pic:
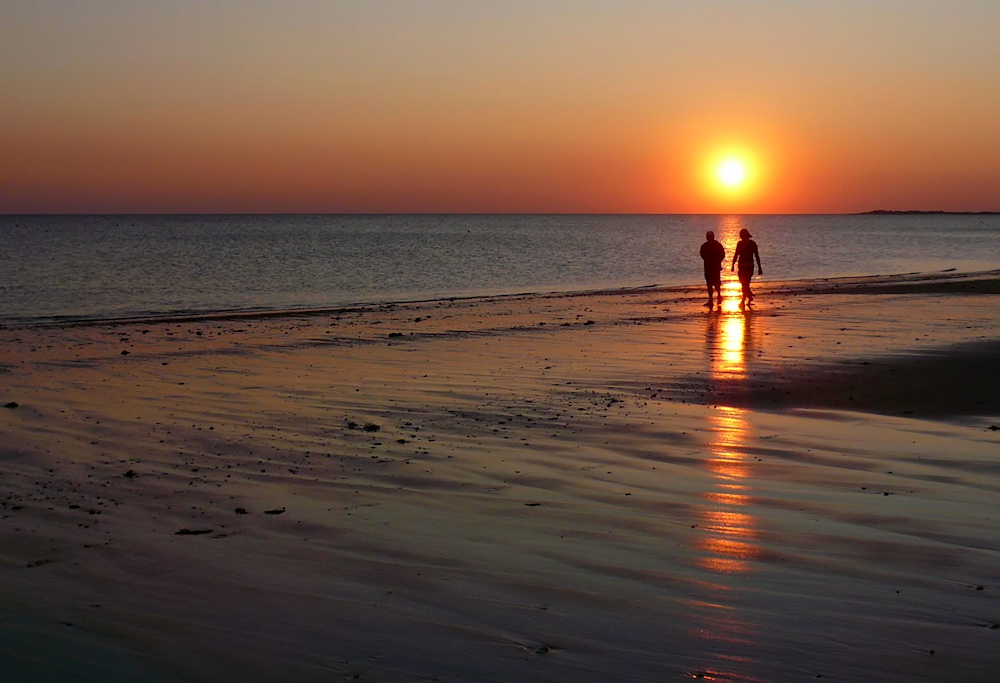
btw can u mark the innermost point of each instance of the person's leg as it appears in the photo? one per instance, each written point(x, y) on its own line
point(745, 286)
point(713, 281)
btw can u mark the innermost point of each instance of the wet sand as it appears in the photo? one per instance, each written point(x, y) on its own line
point(588, 487)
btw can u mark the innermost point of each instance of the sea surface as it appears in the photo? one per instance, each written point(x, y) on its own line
point(71, 268)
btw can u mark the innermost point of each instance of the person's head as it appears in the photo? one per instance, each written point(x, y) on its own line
point(710, 236)
point(745, 234)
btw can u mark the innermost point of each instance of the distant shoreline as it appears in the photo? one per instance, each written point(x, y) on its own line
point(879, 212)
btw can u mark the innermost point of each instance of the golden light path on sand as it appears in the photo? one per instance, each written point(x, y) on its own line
point(727, 545)
point(730, 529)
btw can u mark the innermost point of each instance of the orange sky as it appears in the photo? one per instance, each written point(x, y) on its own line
point(497, 106)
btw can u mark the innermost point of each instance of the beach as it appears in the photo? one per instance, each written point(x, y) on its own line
point(584, 486)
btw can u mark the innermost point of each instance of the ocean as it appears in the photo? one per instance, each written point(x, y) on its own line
point(77, 268)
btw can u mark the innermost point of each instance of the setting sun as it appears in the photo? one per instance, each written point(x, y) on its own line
point(732, 173)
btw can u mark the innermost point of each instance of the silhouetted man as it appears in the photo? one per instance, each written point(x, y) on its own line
point(713, 254)
point(746, 252)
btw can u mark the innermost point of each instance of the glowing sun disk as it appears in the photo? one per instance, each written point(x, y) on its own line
point(732, 172)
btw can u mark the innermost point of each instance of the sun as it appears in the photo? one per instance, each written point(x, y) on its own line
point(731, 176)
point(732, 173)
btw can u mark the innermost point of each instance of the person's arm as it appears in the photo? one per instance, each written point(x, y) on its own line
point(756, 252)
point(736, 252)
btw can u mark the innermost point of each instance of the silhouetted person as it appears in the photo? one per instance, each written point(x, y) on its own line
point(746, 252)
point(713, 254)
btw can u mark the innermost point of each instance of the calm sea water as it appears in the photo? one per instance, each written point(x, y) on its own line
point(92, 267)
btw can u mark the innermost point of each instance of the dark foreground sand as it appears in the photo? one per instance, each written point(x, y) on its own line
point(598, 487)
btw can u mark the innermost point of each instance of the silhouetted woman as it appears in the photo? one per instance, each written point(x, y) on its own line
point(746, 252)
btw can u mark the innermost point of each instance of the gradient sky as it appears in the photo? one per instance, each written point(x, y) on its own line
point(497, 105)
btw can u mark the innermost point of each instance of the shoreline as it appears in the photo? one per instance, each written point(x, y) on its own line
point(942, 282)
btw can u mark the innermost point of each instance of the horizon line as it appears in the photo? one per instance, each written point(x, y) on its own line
point(873, 212)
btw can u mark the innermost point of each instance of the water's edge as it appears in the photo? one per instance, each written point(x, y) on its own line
point(854, 283)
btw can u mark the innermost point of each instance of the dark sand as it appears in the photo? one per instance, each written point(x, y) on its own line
point(593, 487)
